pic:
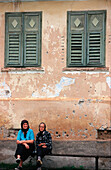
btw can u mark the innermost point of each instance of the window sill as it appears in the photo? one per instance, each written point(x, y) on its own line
point(27, 69)
point(81, 69)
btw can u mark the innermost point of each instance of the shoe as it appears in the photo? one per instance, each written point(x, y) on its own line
point(18, 168)
point(39, 168)
point(39, 163)
point(18, 160)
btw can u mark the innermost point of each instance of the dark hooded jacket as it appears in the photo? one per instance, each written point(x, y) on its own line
point(44, 137)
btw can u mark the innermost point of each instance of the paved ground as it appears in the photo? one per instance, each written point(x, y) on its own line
point(29, 167)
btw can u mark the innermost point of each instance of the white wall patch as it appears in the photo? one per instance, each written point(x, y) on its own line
point(53, 90)
point(4, 90)
point(108, 80)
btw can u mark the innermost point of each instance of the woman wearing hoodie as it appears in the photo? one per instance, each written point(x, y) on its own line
point(43, 143)
point(25, 143)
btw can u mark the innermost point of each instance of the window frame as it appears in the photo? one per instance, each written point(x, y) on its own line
point(85, 46)
point(22, 46)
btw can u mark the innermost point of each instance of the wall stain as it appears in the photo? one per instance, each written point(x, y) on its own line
point(50, 91)
point(108, 80)
point(4, 90)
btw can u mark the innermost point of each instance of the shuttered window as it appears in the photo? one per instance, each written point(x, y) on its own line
point(86, 39)
point(23, 40)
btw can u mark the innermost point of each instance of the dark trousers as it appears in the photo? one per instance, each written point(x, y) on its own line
point(42, 152)
point(23, 152)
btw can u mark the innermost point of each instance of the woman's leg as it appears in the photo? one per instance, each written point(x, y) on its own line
point(39, 156)
point(21, 162)
point(41, 152)
point(23, 153)
point(19, 151)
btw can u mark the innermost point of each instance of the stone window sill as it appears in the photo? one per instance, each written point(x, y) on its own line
point(27, 69)
point(98, 69)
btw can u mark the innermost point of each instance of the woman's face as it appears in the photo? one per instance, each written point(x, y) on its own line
point(41, 127)
point(25, 126)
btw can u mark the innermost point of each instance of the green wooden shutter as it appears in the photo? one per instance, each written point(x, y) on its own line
point(13, 40)
point(76, 39)
point(96, 39)
point(32, 39)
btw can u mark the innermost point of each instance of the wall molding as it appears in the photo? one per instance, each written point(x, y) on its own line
point(4, 1)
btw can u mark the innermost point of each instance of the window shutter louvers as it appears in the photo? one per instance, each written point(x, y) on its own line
point(95, 40)
point(23, 39)
point(13, 41)
point(32, 40)
point(86, 39)
point(76, 48)
point(76, 40)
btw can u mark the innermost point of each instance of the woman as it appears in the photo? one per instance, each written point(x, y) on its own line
point(43, 143)
point(25, 143)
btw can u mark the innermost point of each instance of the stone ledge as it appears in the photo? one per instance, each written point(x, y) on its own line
point(86, 69)
point(97, 147)
point(10, 69)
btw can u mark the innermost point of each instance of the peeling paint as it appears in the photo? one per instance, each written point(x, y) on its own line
point(103, 127)
point(91, 124)
point(86, 72)
point(108, 80)
point(4, 90)
point(49, 91)
point(24, 72)
point(99, 88)
point(83, 135)
point(85, 131)
point(50, 70)
point(64, 82)
point(73, 102)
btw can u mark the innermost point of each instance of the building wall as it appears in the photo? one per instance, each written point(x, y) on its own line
point(73, 103)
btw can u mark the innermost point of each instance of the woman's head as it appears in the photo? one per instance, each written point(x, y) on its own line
point(24, 125)
point(42, 127)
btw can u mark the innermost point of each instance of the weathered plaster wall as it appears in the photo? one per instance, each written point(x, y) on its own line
point(74, 104)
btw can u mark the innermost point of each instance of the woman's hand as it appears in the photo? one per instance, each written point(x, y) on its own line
point(44, 146)
point(41, 144)
point(26, 145)
point(20, 141)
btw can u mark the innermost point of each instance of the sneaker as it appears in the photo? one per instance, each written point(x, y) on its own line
point(39, 163)
point(18, 168)
point(18, 160)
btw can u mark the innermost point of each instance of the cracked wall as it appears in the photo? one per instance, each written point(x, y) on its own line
point(74, 104)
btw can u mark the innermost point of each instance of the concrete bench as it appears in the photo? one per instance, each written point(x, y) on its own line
point(82, 149)
point(74, 155)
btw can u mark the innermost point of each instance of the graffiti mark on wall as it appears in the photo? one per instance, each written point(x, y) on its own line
point(53, 91)
point(4, 90)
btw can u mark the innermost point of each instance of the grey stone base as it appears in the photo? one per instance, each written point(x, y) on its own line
point(87, 163)
point(7, 151)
